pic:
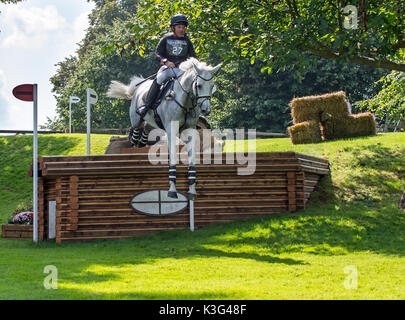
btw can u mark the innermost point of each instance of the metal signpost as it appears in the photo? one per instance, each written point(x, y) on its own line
point(91, 99)
point(72, 100)
point(29, 92)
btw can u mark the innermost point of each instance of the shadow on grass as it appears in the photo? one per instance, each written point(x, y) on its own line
point(134, 294)
point(381, 158)
point(328, 227)
point(86, 268)
point(378, 173)
point(336, 233)
point(89, 269)
point(323, 229)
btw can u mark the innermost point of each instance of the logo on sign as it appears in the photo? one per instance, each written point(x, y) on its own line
point(24, 92)
point(156, 202)
point(74, 99)
point(92, 96)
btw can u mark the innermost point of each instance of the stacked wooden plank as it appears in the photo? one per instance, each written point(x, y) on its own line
point(16, 231)
point(93, 193)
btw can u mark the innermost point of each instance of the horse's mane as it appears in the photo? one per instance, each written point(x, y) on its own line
point(188, 65)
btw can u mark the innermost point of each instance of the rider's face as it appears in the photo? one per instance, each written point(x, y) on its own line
point(179, 30)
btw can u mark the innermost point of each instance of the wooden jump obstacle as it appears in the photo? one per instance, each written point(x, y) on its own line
point(93, 193)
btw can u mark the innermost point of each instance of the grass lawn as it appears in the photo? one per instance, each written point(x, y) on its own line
point(352, 222)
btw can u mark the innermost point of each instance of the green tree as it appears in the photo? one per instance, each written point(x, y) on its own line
point(252, 99)
point(94, 68)
point(246, 97)
point(65, 69)
point(389, 103)
point(279, 32)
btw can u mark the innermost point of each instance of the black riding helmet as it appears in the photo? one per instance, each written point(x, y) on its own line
point(178, 19)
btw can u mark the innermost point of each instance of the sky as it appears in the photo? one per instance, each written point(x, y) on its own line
point(34, 36)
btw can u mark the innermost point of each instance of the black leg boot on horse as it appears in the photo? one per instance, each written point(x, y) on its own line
point(150, 99)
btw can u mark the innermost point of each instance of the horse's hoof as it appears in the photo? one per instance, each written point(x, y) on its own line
point(192, 196)
point(172, 194)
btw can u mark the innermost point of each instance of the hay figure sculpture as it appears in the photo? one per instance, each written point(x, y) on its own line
point(327, 117)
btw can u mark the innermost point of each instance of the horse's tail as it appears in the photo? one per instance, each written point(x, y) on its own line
point(122, 91)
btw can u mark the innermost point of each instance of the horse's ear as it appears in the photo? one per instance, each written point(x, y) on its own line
point(215, 69)
point(199, 71)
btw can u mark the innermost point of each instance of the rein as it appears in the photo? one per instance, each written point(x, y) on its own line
point(194, 98)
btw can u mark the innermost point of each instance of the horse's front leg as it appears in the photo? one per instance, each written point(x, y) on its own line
point(133, 136)
point(192, 193)
point(171, 140)
point(144, 137)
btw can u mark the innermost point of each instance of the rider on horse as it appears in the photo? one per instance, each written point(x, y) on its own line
point(173, 49)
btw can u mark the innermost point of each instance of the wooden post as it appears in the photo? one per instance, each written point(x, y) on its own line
point(73, 202)
point(291, 187)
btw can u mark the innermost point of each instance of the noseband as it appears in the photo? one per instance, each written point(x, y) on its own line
point(196, 91)
point(195, 97)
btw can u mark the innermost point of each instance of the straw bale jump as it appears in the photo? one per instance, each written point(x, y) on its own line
point(327, 117)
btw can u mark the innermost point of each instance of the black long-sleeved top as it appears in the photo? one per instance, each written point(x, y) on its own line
point(175, 49)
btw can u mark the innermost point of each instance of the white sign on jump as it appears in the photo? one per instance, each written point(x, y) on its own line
point(92, 96)
point(74, 99)
point(91, 99)
point(156, 202)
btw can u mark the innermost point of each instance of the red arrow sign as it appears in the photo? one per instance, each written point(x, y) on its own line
point(24, 92)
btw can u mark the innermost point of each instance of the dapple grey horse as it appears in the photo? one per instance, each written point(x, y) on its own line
point(192, 89)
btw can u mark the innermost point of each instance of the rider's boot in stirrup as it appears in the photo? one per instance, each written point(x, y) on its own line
point(150, 99)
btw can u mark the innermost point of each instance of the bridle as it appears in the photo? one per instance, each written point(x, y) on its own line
point(196, 97)
point(190, 94)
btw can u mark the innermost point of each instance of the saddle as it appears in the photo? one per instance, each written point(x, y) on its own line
point(165, 88)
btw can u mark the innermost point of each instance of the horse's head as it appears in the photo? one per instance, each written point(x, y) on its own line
point(203, 87)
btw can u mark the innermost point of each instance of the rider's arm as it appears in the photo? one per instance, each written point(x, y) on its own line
point(191, 51)
point(161, 50)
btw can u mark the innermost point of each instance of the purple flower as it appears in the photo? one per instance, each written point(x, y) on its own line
point(23, 217)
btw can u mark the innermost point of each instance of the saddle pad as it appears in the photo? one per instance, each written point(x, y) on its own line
point(166, 87)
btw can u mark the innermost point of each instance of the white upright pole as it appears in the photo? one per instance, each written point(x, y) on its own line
point(192, 215)
point(70, 115)
point(88, 122)
point(35, 164)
